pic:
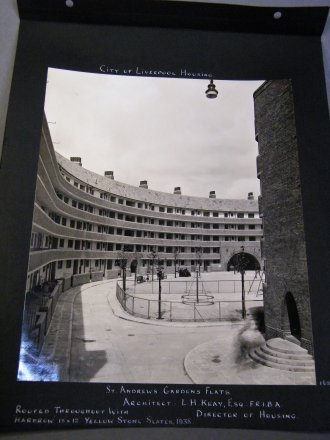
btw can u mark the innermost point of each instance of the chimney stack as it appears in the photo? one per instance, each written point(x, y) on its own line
point(177, 190)
point(76, 160)
point(109, 174)
point(144, 184)
point(250, 196)
point(212, 195)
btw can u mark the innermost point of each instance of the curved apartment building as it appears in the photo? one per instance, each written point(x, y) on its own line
point(82, 221)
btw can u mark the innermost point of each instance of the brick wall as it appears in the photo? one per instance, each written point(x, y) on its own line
point(284, 242)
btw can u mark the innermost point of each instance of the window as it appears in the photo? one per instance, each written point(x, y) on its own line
point(170, 210)
point(206, 214)
point(72, 223)
point(215, 214)
point(252, 239)
point(240, 227)
point(240, 215)
point(161, 209)
point(60, 264)
point(68, 264)
point(61, 242)
point(70, 243)
point(121, 201)
point(251, 215)
point(74, 203)
point(252, 227)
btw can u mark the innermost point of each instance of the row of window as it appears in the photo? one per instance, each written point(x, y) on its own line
point(150, 206)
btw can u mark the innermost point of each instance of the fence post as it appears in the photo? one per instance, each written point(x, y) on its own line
point(170, 310)
point(148, 308)
point(218, 286)
point(169, 287)
point(194, 312)
point(219, 310)
point(133, 305)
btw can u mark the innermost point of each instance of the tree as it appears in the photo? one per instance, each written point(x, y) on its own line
point(123, 258)
point(152, 256)
point(241, 262)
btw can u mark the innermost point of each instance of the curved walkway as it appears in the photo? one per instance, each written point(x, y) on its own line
point(92, 339)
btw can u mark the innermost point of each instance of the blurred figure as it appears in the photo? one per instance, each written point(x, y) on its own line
point(248, 337)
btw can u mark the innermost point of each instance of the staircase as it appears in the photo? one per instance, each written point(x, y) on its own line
point(284, 355)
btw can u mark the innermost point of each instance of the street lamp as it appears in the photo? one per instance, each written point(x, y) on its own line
point(160, 271)
point(211, 91)
point(198, 253)
point(241, 263)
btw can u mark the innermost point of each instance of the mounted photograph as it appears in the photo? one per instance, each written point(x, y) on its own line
point(167, 243)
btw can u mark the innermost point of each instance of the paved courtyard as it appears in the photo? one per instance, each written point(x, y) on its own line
point(92, 339)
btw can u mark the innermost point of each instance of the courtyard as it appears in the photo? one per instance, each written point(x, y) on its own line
point(93, 339)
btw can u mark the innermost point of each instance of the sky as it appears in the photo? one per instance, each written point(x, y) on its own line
point(162, 130)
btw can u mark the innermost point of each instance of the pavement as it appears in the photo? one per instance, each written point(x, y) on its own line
point(92, 339)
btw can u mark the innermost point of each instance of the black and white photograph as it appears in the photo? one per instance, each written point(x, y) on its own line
point(164, 253)
point(153, 257)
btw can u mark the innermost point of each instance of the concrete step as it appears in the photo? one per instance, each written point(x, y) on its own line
point(274, 357)
point(286, 356)
point(283, 355)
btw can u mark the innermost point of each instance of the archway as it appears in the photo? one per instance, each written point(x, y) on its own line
point(251, 261)
point(134, 266)
point(293, 316)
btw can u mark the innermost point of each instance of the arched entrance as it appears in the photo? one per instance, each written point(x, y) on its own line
point(250, 261)
point(134, 266)
point(292, 316)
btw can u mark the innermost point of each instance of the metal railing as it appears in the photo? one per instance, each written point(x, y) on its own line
point(252, 286)
point(219, 310)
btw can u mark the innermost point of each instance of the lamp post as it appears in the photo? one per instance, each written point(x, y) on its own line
point(198, 253)
point(160, 270)
point(241, 263)
point(176, 254)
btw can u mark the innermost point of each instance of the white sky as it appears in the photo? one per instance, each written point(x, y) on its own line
point(157, 129)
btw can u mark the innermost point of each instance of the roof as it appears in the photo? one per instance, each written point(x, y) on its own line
point(151, 196)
